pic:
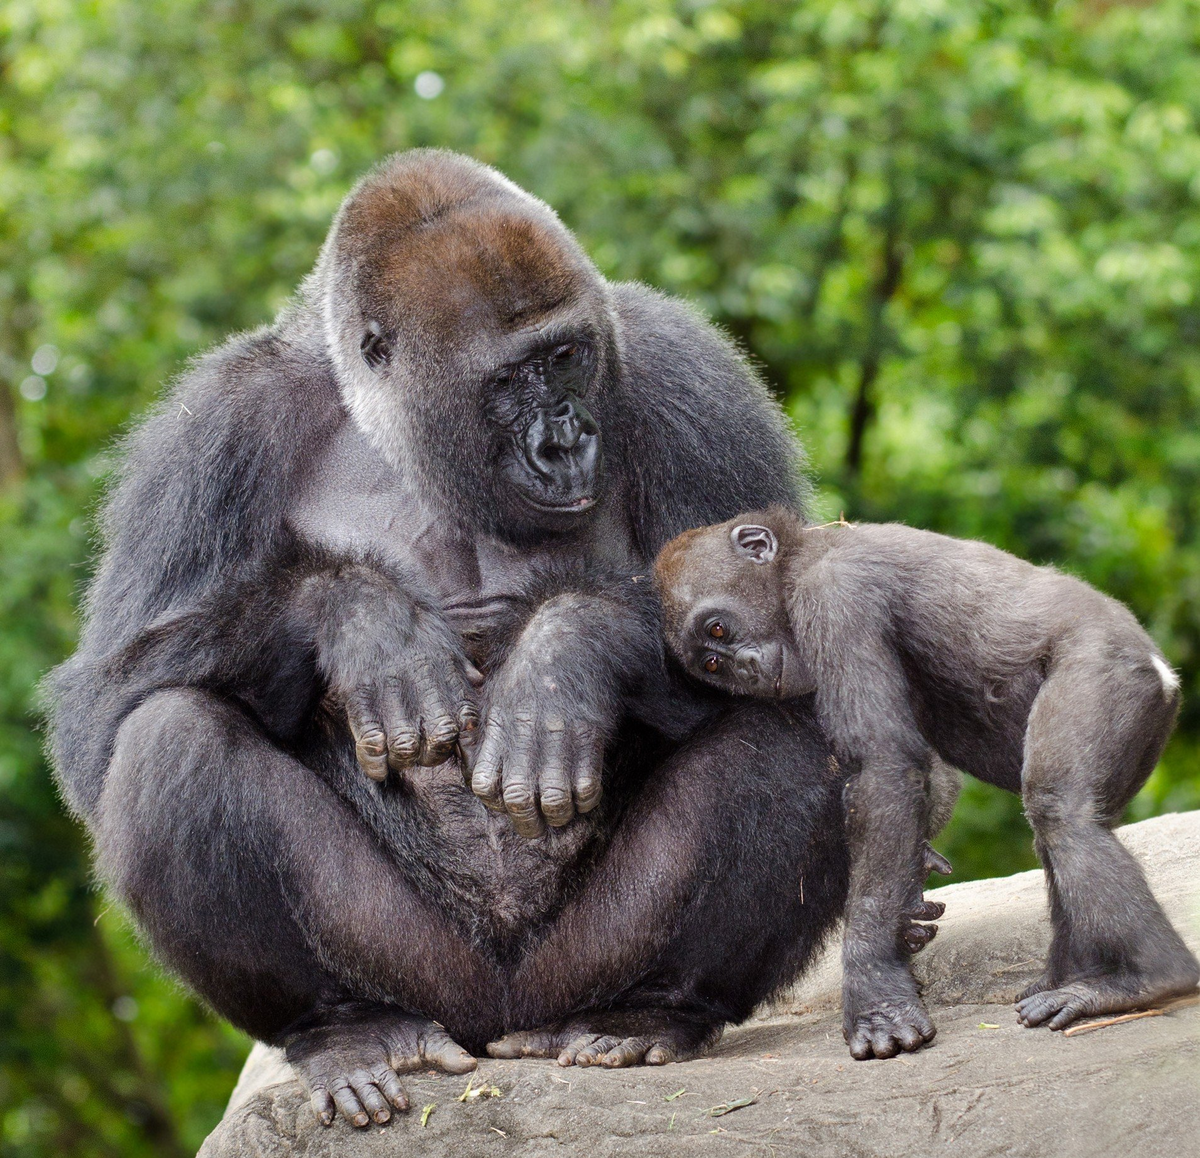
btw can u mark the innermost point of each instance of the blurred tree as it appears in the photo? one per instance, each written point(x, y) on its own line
point(962, 238)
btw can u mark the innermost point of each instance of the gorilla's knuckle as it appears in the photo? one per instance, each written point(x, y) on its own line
point(442, 731)
point(372, 743)
point(587, 790)
point(518, 796)
point(556, 800)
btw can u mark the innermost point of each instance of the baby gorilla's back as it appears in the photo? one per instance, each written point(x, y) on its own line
point(977, 632)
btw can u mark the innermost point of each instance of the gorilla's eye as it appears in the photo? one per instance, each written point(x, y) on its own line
point(716, 629)
point(563, 353)
point(712, 664)
point(505, 377)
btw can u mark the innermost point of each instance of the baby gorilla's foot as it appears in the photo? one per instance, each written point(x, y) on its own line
point(884, 1015)
point(350, 1060)
point(637, 1037)
point(1060, 1005)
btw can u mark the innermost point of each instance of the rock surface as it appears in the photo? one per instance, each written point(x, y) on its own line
point(985, 1086)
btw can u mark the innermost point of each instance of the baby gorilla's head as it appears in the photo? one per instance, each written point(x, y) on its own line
point(724, 608)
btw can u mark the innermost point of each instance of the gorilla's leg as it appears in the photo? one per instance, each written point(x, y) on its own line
point(725, 876)
point(264, 891)
point(1095, 733)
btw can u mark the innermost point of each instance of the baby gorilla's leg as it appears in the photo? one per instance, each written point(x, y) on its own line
point(1095, 732)
point(887, 818)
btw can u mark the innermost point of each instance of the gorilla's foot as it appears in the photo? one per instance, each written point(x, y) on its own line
point(882, 1014)
point(349, 1059)
point(650, 1037)
point(1044, 982)
point(1060, 1005)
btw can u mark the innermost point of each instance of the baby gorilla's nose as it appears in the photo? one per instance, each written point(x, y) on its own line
point(747, 664)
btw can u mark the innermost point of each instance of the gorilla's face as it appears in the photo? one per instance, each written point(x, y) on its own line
point(475, 344)
point(548, 444)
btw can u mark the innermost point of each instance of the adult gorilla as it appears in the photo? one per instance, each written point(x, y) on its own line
point(343, 541)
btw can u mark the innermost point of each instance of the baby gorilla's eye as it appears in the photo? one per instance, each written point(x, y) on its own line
point(712, 664)
point(716, 629)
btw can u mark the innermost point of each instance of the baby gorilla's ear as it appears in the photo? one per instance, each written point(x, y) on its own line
point(758, 544)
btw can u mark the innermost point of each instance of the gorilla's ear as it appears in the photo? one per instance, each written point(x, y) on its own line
point(374, 347)
point(755, 543)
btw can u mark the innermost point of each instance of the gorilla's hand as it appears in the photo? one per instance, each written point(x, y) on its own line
point(548, 715)
point(399, 671)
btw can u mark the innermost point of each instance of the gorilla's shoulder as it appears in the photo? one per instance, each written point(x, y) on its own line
point(705, 437)
point(205, 478)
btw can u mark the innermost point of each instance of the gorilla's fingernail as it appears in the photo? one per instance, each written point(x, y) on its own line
point(360, 1119)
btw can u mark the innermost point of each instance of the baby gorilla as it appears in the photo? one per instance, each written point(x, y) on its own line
point(918, 645)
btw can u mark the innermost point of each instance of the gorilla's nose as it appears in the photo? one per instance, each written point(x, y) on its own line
point(563, 444)
point(748, 667)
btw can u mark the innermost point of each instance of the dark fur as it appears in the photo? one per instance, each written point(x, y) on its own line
point(311, 536)
point(920, 646)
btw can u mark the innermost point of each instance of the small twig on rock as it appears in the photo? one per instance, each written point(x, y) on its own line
point(1178, 1004)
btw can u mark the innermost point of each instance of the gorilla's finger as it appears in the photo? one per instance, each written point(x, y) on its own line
point(391, 1088)
point(587, 760)
point(926, 911)
point(441, 1050)
point(439, 729)
point(439, 735)
point(554, 785)
point(520, 797)
point(368, 1093)
point(468, 737)
point(403, 736)
point(473, 675)
point(570, 1051)
point(323, 1105)
point(485, 778)
point(629, 1052)
point(935, 862)
point(347, 1101)
point(370, 736)
point(591, 1054)
point(660, 1054)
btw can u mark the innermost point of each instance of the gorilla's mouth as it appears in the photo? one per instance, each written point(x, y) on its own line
point(571, 507)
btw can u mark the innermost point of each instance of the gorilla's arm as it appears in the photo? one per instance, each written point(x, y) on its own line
point(198, 505)
point(202, 583)
point(699, 439)
point(704, 439)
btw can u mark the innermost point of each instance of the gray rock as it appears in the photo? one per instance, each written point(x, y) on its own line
point(985, 1086)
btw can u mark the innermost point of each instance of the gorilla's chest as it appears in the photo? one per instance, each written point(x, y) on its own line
point(355, 503)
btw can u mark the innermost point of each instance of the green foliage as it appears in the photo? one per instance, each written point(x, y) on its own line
point(961, 237)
